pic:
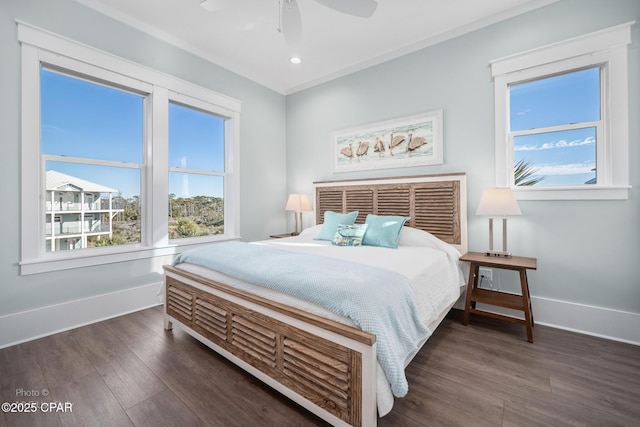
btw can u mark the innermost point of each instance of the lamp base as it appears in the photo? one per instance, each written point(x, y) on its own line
point(501, 254)
point(298, 224)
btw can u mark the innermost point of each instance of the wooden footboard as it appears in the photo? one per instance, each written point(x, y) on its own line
point(325, 366)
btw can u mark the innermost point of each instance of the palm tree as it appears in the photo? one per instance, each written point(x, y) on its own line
point(524, 174)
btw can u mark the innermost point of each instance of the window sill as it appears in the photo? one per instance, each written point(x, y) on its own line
point(64, 261)
point(572, 193)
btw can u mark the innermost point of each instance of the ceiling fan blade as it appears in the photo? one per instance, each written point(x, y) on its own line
point(361, 8)
point(291, 21)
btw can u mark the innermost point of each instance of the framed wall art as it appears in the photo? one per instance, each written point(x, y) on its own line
point(407, 141)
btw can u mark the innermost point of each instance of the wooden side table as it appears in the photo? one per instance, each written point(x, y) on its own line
point(281, 236)
point(498, 298)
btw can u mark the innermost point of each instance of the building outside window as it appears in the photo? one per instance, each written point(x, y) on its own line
point(85, 220)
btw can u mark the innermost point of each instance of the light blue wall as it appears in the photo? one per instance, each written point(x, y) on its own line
point(263, 179)
point(587, 250)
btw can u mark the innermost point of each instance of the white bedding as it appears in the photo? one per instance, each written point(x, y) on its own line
point(431, 266)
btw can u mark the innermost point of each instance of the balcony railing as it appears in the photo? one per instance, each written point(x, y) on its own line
point(74, 228)
point(101, 205)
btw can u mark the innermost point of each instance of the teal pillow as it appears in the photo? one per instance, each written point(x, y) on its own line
point(331, 222)
point(383, 230)
point(349, 235)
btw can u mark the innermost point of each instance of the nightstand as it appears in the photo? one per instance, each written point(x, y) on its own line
point(280, 236)
point(497, 298)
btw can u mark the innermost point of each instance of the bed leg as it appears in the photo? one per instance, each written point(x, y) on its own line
point(168, 324)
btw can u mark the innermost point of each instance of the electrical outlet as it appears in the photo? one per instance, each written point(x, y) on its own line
point(487, 273)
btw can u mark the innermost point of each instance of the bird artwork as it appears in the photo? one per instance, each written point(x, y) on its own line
point(363, 149)
point(379, 147)
point(395, 141)
point(415, 143)
point(347, 152)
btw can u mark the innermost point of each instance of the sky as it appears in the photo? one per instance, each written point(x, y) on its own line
point(87, 120)
point(563, 157)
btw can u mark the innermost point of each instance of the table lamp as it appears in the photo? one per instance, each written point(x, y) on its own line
point(498, 202)
point(298, 203)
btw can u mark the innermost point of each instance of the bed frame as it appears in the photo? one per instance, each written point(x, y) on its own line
point(325, 366)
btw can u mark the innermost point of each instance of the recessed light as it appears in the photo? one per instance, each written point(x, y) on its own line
point(295, 60)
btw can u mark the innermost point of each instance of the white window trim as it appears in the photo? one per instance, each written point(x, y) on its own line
point(42, 46)
point(607, 47)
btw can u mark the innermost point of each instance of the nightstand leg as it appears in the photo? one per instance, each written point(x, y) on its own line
point(533, 323)
point(526, 302)
point(473, 282)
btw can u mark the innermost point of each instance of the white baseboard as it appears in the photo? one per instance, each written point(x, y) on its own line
point(585, 319)
point(597, 321)
point(32, 324)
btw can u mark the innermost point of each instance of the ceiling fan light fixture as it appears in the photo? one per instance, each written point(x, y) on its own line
point(361, 8)
point(295, 60)
point(211, 5)
point(291, 22)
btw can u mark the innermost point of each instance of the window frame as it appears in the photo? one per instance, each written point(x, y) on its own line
point(190, 102)
point(42, 47)
point(606, 49)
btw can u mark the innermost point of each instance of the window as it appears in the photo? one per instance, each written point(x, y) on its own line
point(556, 127)
point(92, 147)
point(196, 172)
point(562, 119)
point(104, 141)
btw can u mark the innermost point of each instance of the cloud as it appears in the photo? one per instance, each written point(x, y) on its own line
point(54, 130)
point(570, 169)
point(558, 144)
point(523, 112)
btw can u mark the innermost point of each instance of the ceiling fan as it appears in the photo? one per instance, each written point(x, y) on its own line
point(291, 20)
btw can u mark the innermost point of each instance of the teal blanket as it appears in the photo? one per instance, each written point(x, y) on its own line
point(378, 301)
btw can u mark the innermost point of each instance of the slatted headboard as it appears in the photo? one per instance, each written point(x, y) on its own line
point(435, 203)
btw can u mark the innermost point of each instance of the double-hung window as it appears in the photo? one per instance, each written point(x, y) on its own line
point(92, 146)
point(196, 171)
point(562, 119)
point(119, 162)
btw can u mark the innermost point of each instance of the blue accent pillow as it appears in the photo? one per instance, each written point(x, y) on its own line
point(331, 222)
point(383, 231)
point(349, 235)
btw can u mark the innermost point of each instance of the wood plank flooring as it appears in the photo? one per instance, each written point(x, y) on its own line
point(128, 371)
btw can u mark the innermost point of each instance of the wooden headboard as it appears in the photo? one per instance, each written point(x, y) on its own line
point(435, 203)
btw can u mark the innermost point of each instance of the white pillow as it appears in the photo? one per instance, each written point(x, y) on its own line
point(410, 236)
point(312, 231)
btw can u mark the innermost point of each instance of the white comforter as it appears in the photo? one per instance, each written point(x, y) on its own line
point(431, 266)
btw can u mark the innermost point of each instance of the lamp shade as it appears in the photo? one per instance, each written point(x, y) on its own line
point(298, 203)
point(498, 201)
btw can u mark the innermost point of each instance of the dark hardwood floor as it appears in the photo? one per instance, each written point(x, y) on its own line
point(128, 371)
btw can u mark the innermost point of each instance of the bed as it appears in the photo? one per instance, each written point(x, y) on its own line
point(314, 356)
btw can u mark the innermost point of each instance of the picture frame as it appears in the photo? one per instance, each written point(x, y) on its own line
point(415, 140)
